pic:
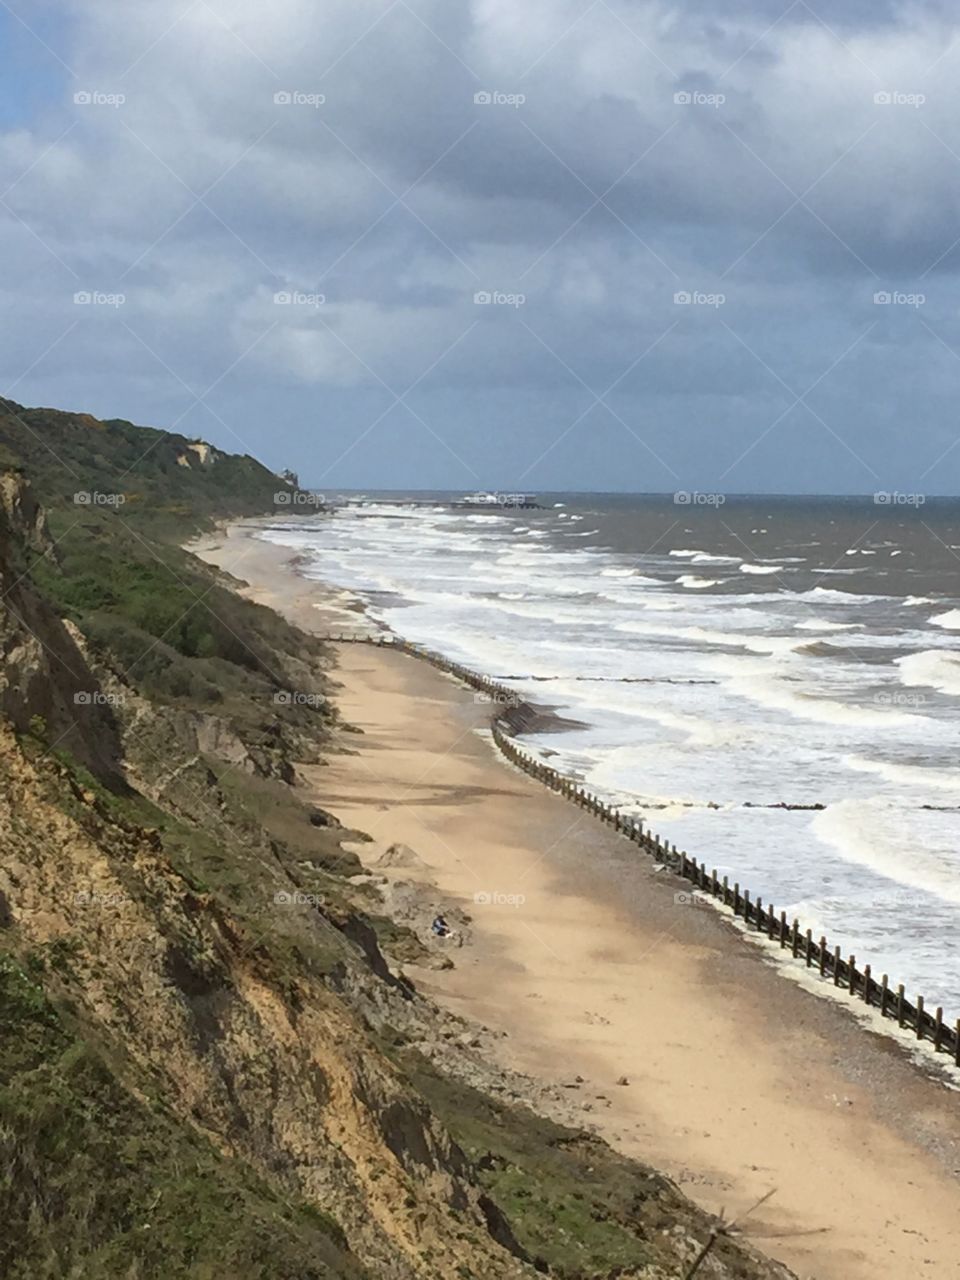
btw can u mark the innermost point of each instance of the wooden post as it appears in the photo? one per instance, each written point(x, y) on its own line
point(746, 906)
point(783, 929)
point(900, 1004)
point(852, 975)
point(759, 909)
point(736, 898)
point(884, 986)
point(795, 940)
point(714, 886)
point(938, 1028)
point(957, 1044)
point(866, 984)
point(919, 1017)
point(836, 966)
point(809, 941)
point(823, 955)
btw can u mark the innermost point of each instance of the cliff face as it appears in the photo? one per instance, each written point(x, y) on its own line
point(207, 1065)
point(269, 1066)
point(44, 674)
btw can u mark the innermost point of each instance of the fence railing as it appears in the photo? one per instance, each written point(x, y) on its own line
point(763, 919)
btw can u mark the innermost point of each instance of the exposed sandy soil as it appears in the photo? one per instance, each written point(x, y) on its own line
point(740, 1081)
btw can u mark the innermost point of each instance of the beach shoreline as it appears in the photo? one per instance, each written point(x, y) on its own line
point(738, 1083)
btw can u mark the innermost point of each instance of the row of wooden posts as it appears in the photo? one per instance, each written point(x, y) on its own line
point(764, 919)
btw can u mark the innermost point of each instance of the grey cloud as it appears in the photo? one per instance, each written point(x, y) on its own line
point(696, 197)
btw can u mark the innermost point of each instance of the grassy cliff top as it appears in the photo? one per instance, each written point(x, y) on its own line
point(156, 477)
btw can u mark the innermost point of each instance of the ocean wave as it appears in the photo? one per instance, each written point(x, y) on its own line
point(911, 775)
point(837, 594)
point(771, 692)
point(950, 620)
point(693, 583)
point(761, 568)
point(933, 669)
point(862, 832)
point(821, 624)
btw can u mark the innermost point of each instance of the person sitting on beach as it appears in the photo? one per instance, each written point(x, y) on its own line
point(441, 928)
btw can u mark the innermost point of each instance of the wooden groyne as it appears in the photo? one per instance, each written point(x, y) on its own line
point(758, 916)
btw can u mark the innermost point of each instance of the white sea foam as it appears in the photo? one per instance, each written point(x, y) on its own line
point(933, 669)
point(864, 832)
point(821, 624)
point(761, 568)
point(834, 594)
point(693, 583)
point(924, 777)
point(774, 693)
point(950, 620)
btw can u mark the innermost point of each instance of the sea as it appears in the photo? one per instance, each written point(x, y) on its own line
point(721, 662)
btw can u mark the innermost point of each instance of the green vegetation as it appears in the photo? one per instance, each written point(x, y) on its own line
point(96, 1184)
point(161, 478)
point(571, 1202)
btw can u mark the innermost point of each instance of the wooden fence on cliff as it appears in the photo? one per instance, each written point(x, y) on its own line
point(760, 918)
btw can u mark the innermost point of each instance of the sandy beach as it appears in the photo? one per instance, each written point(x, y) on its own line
point(738, 1083)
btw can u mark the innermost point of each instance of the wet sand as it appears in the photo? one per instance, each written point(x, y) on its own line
point(740, 1082)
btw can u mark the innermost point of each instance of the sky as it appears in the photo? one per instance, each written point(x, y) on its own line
point(550, 245)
